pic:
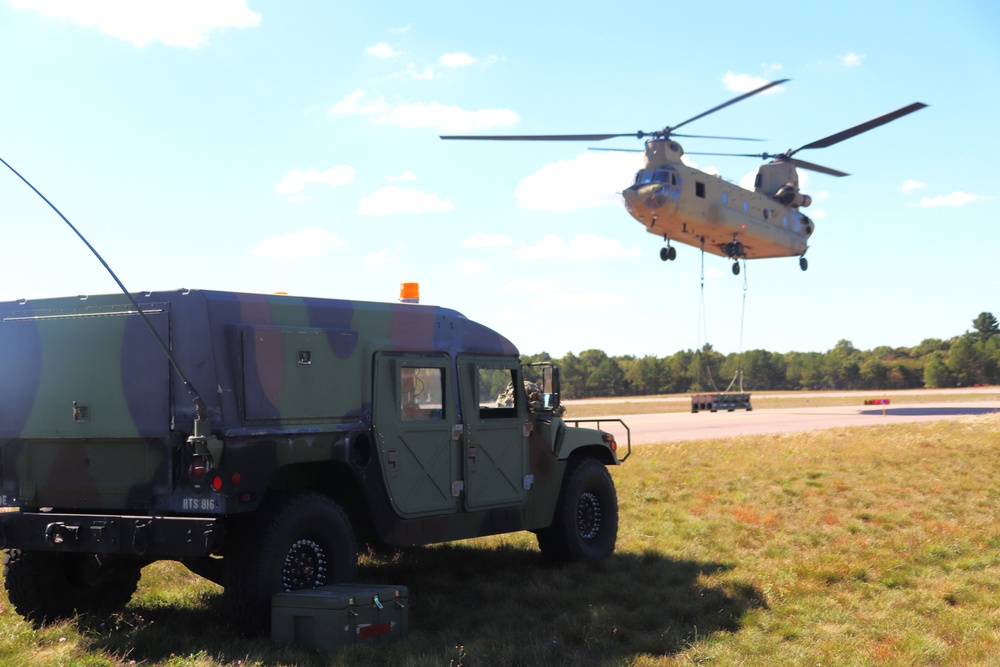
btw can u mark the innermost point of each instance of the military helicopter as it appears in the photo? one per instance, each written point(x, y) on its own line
point(686, 205)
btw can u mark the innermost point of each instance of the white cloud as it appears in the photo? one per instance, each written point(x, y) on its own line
point(312, 108)
point(909, 185)
point(297, 179)
point(310, 242)
point(449, 118)
point(822, 195)
point(379, 259)
point(405, 28)
point(382, 50)
point(394, 199)
point(471, 266)
point(744, 83)
point(583, 247)
point(484, 240)
point(456, 59)
point(412, 72)
point(440, 116)
point(589, 179)
point(817, 213)
point(710, 170)
point(852, 60)
point(405, 176)
point(954, 200)
point(182, 23)
point(356, 102)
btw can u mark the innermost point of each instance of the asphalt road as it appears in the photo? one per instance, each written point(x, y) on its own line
point(674, 426)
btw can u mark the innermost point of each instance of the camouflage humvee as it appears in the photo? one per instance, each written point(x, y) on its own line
point(276, 432)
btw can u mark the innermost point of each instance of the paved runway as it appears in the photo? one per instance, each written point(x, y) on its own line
point(674, 426)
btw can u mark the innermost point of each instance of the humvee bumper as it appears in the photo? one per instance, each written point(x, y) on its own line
point(99, 533)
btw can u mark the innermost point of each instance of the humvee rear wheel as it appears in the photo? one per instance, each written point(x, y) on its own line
point(45, 586)
point(301, 540)
point(585, 526)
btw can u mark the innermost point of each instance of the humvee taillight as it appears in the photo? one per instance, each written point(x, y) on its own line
point(197, 469)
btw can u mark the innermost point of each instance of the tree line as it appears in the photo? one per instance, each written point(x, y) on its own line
point(967, 360)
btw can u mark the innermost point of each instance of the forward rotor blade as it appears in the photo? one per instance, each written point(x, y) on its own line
point(732, 101)
point(544, 137)
point(712, 136)
point(863, 127)
point(757, 155)
point(616, 150)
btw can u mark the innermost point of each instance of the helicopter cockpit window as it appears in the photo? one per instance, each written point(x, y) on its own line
point(643, 177)
point(699, 189)
point(661, 175)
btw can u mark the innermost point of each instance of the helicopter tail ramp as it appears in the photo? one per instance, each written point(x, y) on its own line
point(724, 401)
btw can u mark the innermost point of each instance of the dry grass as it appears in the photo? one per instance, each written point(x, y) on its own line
point(863, 546)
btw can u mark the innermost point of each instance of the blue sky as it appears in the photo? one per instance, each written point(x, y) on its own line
point(269, 146)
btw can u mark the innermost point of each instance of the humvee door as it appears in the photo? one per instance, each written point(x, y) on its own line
point(494, 417)
point(413, 413)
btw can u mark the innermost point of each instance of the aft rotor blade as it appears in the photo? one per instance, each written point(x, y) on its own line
point(863, 127)
point(544, 137)
point(732, 101)
point(802, 164)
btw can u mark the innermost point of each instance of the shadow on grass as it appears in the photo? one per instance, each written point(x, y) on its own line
point(486, 606)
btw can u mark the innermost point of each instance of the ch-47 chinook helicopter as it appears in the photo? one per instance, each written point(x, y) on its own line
point(683, 204)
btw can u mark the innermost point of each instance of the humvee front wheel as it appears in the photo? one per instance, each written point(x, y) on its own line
point(300, 540)
point(585, 526)
point(46, 586)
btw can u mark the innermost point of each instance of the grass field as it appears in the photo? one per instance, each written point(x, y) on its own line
point(866, 546)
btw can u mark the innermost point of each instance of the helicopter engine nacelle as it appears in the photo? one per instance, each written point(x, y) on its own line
point(789, 195)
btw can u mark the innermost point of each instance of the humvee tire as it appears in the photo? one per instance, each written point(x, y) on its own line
point(47, 586)
point(585, 526)
point(299, 540)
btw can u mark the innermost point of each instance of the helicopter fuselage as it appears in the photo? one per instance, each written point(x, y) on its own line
point(686, 205)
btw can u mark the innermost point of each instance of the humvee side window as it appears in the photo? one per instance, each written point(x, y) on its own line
point(422, 395)
point(497, 398)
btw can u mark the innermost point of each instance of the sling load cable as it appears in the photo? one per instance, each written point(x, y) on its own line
point(703, 325)
point(743, 312)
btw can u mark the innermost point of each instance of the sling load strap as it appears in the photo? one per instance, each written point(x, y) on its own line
point(743, 312)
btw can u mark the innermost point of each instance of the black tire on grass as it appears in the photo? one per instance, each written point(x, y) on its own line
point(585, 526)
point(46, 586)
point(299, 540)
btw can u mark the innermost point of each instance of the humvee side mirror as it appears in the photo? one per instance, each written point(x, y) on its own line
point(550, 387)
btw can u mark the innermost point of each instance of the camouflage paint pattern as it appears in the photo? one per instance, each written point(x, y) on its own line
point(94, 420)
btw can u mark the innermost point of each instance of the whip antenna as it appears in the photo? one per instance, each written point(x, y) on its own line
point(201, 412)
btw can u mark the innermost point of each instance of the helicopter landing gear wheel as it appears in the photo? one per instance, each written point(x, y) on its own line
point(736, 268)
point(668, 254)
point(803, 263)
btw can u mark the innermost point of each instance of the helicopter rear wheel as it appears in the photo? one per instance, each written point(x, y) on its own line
point(803, 263)
point(668, 253)
point(736, 268)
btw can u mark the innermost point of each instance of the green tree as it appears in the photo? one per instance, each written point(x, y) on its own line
point(649, 375)
point(874, 374)
point(968, 362)
point(936, 373)
point(986, 326)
